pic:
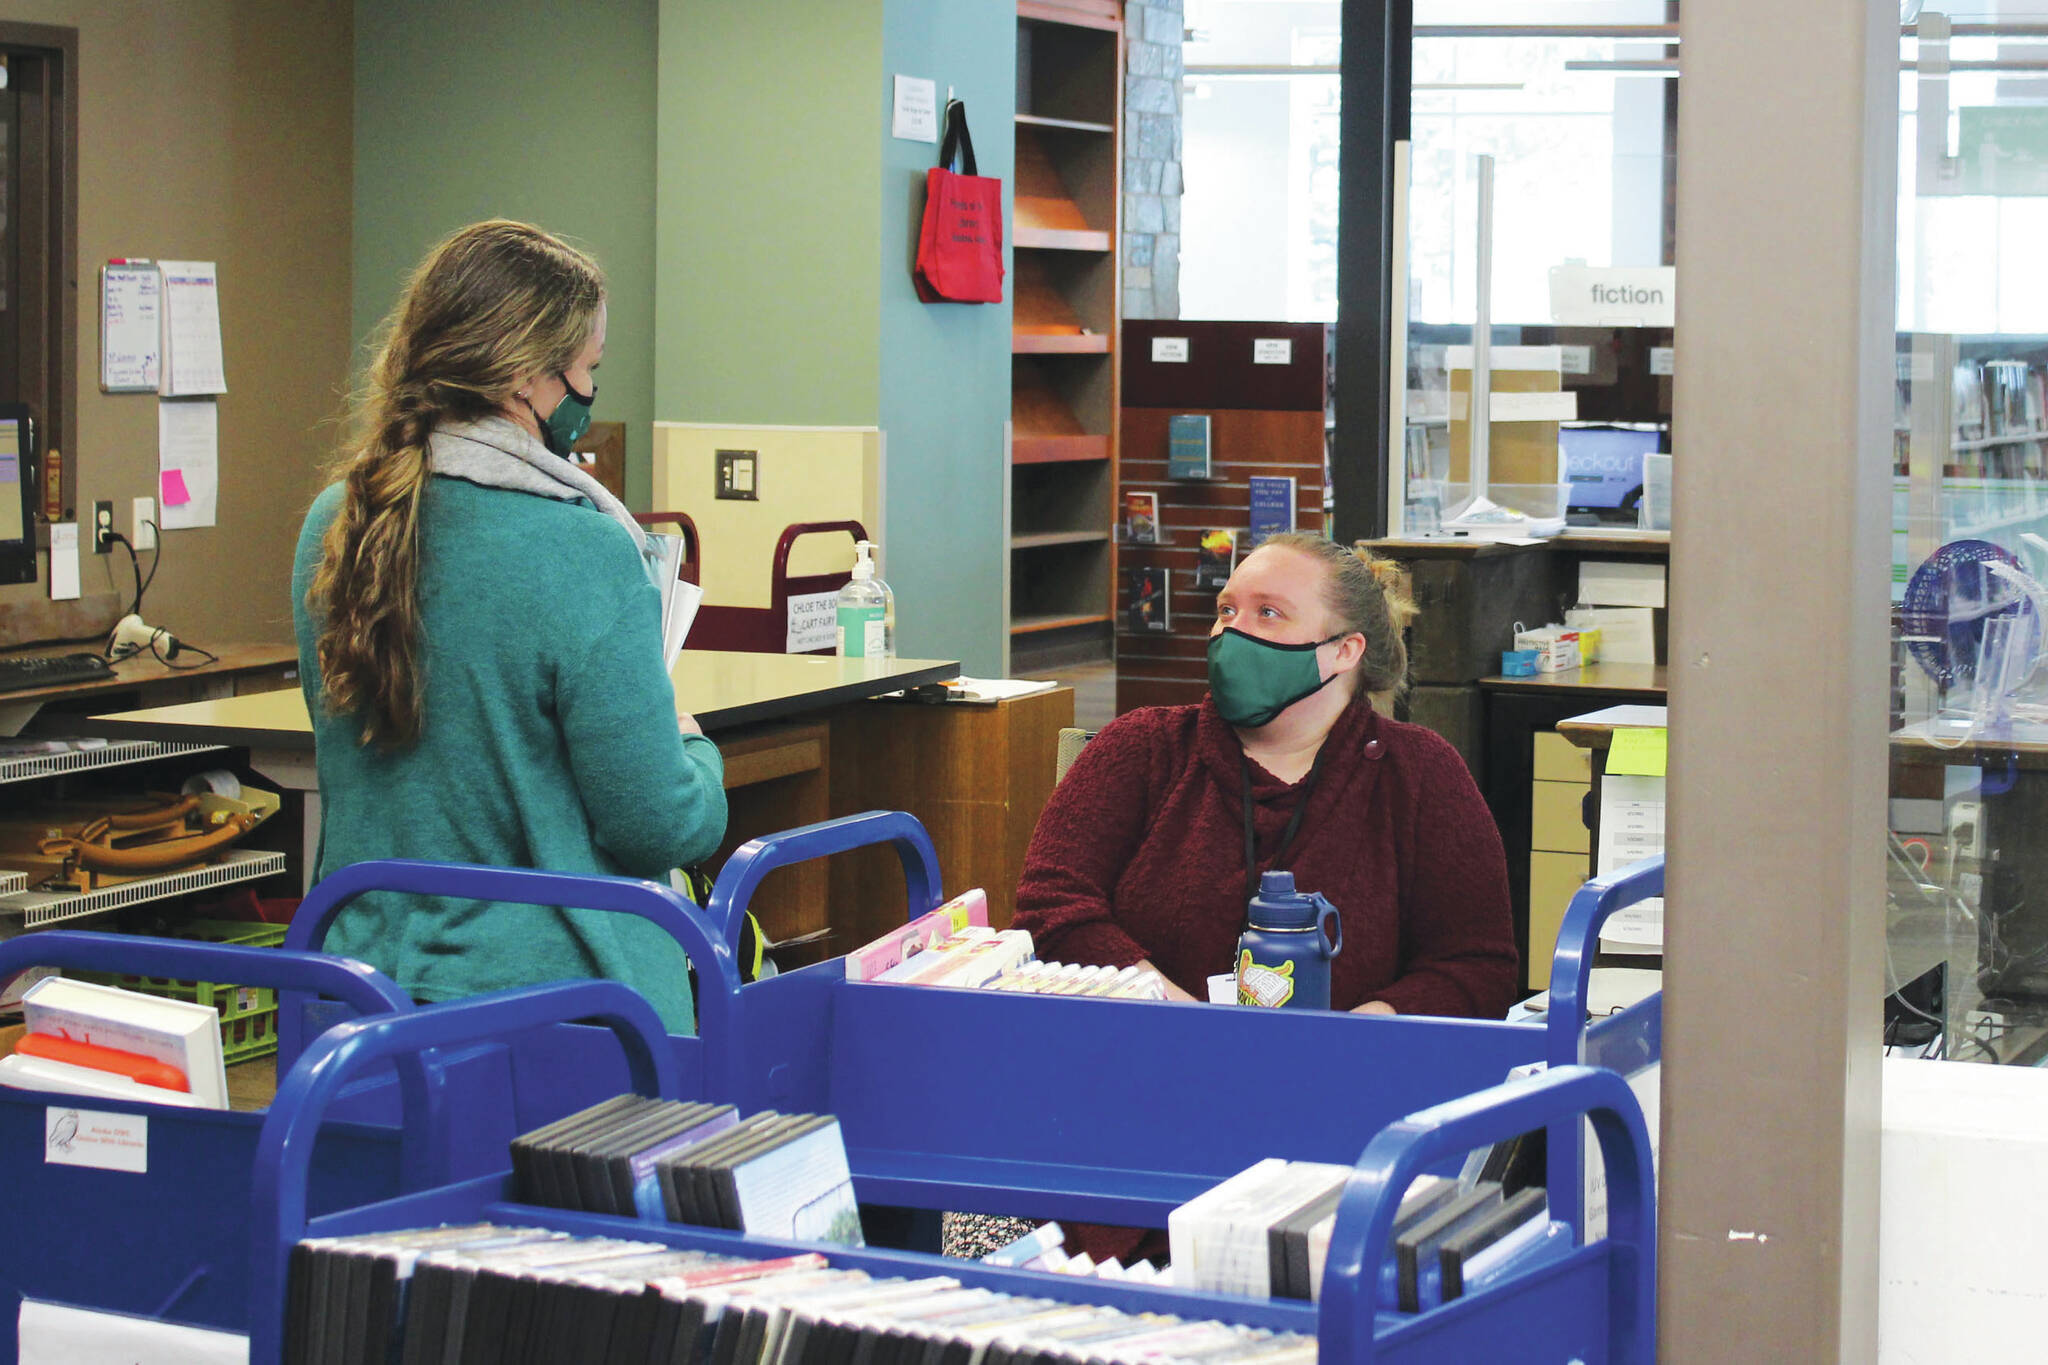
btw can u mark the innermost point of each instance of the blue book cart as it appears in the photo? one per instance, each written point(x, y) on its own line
point(959, 1100)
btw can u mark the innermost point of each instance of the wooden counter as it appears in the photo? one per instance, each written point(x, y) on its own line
point(722, 690)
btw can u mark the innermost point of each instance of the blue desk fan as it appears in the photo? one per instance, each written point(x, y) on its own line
point(1952, 598)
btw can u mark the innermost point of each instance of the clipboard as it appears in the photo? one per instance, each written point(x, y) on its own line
point(131, 322)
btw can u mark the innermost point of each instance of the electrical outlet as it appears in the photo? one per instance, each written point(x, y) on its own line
point(144, 517)
point(102, 528)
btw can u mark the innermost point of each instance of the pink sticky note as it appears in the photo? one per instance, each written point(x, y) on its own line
point(175, 492)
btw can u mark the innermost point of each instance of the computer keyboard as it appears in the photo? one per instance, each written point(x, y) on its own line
point(52, 670)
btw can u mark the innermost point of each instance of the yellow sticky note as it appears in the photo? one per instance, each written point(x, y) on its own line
point(1637, 751)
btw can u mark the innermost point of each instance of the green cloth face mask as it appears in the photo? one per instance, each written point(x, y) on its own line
point(564, 427)
point(1254, 680)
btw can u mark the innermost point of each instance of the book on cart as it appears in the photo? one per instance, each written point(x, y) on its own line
point(934, 927)
point(169, 1049)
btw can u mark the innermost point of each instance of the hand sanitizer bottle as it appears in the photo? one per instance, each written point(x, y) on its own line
point(867, 611)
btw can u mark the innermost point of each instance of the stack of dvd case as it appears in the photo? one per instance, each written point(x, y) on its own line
point(774, 1175)
point(1265, 1233)
point(484, 1294)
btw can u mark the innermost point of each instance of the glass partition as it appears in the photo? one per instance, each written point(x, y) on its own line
point(1967, 899)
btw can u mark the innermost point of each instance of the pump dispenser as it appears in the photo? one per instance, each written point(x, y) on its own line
point(867, 610)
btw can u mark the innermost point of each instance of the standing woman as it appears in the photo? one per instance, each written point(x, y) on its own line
point(480, 640)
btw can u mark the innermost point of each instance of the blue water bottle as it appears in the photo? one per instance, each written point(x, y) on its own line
point(1283, 957)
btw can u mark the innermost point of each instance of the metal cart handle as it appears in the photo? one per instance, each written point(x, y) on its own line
point(284, 1149)
point(743, 872)
point(713, 954)
point(795, 531)
point(1578, 940)
point(1408, 1147)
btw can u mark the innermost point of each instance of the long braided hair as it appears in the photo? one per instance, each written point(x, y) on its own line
point(490, 307)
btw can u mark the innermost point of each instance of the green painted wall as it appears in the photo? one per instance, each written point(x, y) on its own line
point(766, 221)
point(471, 109)
point(945, 368)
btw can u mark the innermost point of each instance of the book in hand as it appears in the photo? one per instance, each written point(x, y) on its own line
point(893, 948)
point(1141, 518)
point(482, 1294)
point(1146, 599)
point(1272, 508)
point(125, 1037)
point(1187, 446)
point(679, 598)
point(1215, 558)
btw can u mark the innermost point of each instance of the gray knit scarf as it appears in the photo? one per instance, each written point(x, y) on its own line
point(499, 453)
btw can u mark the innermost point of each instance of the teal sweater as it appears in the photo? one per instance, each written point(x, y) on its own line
point(549, 741)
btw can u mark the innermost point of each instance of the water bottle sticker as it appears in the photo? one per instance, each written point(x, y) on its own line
point(1269, 987)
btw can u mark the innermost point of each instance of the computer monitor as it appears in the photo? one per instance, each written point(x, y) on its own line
point(17, 494)
point(1603, 466)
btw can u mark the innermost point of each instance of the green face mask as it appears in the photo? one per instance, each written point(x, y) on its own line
point(1254, 680)
point(565, 426)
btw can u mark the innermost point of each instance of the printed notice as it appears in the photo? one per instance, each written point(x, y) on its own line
point(92, 1137)
point(1272, 351)
point(188, 462)
point(1631, 829)
point(1169, 350)
point(813, 622)
point(916, 117)
point(63, 560)
point(131, 308)
point(190, 335)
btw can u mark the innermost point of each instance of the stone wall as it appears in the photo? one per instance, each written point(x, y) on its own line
point(1152, 151)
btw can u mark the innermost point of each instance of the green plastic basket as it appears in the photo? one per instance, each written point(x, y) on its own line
point(248, 1014)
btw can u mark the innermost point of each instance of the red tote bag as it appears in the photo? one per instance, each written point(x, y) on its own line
point(960, 249)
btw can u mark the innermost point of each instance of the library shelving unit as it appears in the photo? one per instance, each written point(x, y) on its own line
point(1065, 292)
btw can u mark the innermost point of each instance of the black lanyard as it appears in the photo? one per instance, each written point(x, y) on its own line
point(1251, 841)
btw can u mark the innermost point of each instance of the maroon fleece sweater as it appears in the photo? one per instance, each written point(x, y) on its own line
point(1140, 854)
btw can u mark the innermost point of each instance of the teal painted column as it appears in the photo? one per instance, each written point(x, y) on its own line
point(473, 109)
point(945, 367)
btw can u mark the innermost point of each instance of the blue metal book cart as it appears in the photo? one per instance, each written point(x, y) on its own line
point(1111, 1111)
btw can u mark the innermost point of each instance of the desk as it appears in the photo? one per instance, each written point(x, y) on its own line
point(239, 670)
point(772, 715)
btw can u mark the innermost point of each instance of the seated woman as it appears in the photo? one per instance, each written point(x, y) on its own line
point(480, 640)
point(1151, 848)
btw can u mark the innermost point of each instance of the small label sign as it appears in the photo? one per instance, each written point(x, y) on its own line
point(1660, 360)
point(92, 1137)
point(1169, 350)
point(1575, 359)
point(1272, 351)
point(813, 623)
point(1613, 296)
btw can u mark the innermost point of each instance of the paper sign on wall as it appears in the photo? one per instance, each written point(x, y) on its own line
point(63, 560)
point(92, 1137)
point(916, 117)
point(813, 622)
point(189, 336)
point(1273, 351)
point(1169, 350)
point(188, 462)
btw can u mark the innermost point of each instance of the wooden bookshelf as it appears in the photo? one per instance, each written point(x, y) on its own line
point(1065, 293)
